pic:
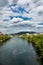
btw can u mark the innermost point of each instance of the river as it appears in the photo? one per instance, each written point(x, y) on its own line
point(17, 51)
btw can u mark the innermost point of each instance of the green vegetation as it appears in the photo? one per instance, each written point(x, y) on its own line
point(37, 42)
point(4, 38)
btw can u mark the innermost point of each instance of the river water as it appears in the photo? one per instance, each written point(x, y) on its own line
point(17, 51)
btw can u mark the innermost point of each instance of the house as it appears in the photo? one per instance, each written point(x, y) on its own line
point(1, 33)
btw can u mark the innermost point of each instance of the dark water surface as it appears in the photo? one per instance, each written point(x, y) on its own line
point(17, 51)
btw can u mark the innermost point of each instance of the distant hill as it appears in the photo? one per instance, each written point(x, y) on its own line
point(24, 32)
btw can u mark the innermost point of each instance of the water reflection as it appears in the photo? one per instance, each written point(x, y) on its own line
point(17, 52)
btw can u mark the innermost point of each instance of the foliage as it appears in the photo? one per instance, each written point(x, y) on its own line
point(37, 42)
point(4, 38)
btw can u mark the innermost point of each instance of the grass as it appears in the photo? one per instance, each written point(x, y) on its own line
point(4, 38)
point(37, 42)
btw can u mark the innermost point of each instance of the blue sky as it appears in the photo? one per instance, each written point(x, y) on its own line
point(20, 15)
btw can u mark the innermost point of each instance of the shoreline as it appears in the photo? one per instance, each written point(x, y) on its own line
point(37, 41)
point(4, 38)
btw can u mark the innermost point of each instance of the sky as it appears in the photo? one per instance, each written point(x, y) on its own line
point(20, 15)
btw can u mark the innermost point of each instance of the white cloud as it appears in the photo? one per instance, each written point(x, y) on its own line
point(3, 3)
point(10, 1)
point(34, 11)
point(16, 20)
point(33, 8)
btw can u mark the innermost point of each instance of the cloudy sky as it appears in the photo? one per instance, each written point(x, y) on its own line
point(20, 15)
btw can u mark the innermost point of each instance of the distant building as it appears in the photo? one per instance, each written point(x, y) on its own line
point(1, 33)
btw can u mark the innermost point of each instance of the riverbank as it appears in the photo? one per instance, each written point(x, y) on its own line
point(37, 42)
point(4, 38)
